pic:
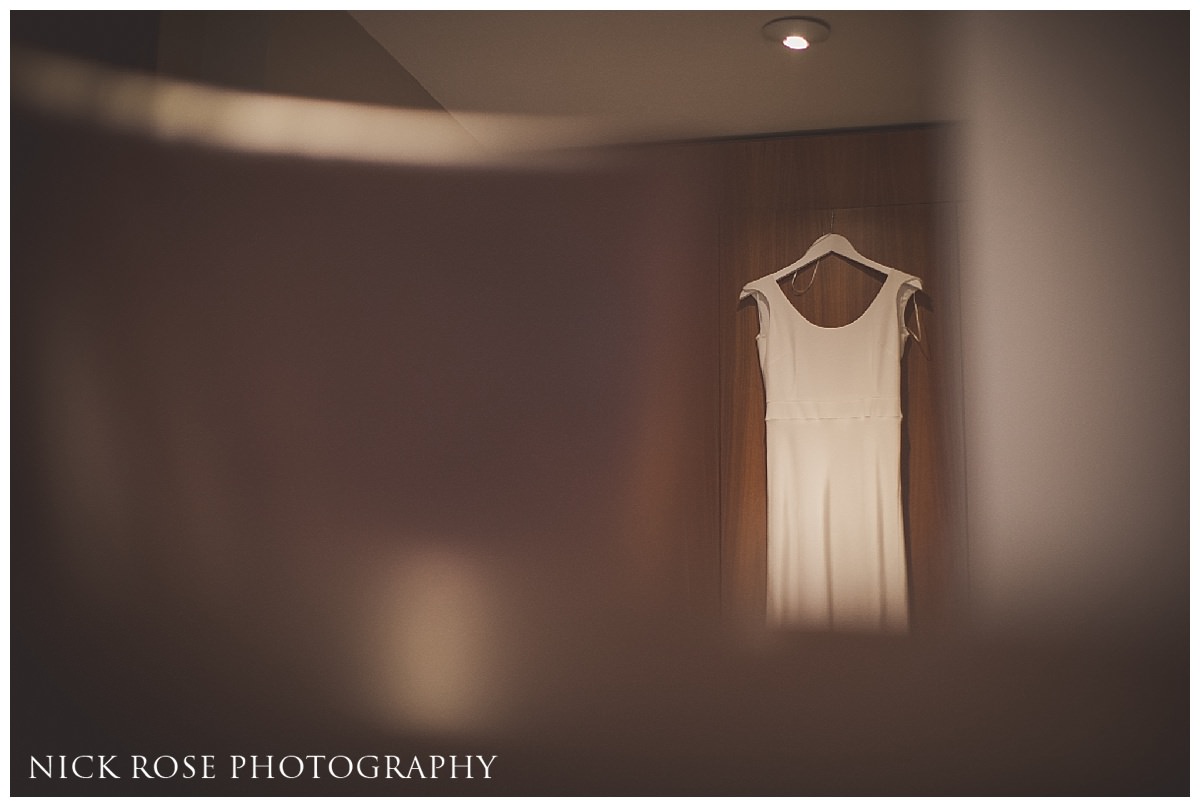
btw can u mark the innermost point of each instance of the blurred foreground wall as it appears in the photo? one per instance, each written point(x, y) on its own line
point(1075, 278)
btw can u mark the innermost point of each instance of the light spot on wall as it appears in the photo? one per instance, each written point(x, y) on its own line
point(431, 642)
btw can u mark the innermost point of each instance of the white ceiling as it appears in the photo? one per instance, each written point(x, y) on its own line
point(652, 76)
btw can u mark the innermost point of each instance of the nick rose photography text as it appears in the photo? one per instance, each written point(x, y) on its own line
point(255, 766)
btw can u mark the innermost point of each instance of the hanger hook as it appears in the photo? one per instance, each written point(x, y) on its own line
point(813, 279)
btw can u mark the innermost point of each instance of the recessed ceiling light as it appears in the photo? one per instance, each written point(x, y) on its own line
point(796, 33)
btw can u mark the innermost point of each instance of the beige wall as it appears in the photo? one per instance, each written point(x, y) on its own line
point(1075, 316)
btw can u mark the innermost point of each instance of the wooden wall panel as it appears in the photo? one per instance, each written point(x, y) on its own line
point(839, 170)
point(885, 191)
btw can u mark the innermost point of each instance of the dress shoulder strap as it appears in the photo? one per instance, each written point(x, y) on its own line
point(762, 299)
point(909, 285)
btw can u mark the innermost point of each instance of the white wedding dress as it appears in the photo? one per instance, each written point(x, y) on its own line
point(835, 529)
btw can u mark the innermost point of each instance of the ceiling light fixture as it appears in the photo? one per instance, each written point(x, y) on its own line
point(796, 33)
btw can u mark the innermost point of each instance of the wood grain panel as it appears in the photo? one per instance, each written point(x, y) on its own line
point(840, 170)
point(886, 175)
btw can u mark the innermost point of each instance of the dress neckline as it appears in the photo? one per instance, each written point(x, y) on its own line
point(857, 319)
